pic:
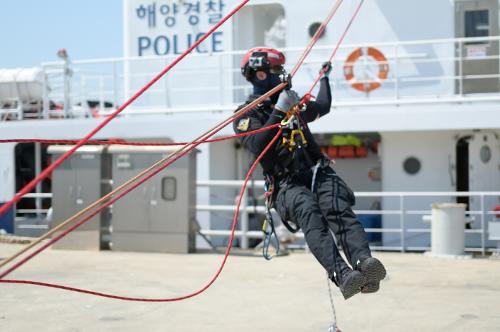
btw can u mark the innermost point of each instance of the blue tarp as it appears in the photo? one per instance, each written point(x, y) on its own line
point(372, 221)
point(7, 221)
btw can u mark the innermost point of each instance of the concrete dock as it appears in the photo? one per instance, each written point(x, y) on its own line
point(286, 294)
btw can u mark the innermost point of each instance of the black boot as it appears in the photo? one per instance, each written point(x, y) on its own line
point(373, 271)
point(349, 281)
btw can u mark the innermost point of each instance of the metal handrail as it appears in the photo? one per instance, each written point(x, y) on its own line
point(244, 234)
point(402, 56)
point(108, 84)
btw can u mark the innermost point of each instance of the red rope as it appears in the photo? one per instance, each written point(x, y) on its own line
point(123, 142)
point(177, 154)
point(338, 45)
point(192, 146)
point(210, 283)
point(189, 147)
point(31, 185)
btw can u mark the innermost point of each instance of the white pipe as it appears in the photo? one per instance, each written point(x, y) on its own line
point(39, 195)
point(229, 208)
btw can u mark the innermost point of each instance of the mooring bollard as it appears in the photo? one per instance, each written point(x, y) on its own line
point(448, 229)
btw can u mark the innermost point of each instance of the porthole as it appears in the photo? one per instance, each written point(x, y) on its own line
point(412, 165)
point(485, 154)
point(313, 28)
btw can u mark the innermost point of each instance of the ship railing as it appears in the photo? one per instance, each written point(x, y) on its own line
point(424, 71)
point(401, 224)
point(33, 221)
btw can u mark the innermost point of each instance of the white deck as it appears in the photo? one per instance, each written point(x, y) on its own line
point(286, 294)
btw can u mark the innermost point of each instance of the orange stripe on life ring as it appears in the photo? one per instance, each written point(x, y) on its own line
point(382, 75)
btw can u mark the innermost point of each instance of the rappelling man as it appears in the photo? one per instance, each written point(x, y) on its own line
point(307, 193)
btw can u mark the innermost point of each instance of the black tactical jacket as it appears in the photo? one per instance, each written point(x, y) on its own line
point(278, 161)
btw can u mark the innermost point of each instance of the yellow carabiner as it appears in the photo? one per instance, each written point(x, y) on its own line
point(290, 115)
point(293, 144)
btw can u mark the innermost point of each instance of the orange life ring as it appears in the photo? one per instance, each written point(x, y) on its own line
point(383, 71)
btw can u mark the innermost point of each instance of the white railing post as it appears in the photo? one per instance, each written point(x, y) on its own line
point(460, 68)
point(101, 94)
point(38, 169)
point(396, 71)
point(168, 102)
point(402, 223)
point(66, 89)
point(337, 79)
point(83, 102)
point(46, 103)
point(244, 221)
point(483, 226)
point(115, 86)
point(221, 80)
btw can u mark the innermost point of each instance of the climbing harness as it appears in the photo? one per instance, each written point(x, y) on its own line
point(293, 134)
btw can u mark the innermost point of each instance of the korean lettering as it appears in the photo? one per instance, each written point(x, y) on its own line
point(214, 10)
point(170, 11)
point(149, 11)
point(192, 9)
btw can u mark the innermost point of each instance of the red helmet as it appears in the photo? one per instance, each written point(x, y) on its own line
point(261, 58)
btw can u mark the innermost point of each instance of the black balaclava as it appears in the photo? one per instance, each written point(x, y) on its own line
point(260, 87)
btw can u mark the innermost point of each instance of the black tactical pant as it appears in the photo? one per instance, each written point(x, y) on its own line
point(318, 210)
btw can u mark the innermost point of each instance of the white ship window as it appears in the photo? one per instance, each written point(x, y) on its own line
point(412, 165)
point(485, 154)
point(477, 24)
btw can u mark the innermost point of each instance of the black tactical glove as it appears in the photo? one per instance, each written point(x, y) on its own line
point(326, 69)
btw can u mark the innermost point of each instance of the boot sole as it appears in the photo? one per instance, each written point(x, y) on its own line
point(373, 271)
point(370, 288)
point(354, 286)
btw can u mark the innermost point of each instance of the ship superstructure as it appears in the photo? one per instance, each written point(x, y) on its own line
point(416, 89)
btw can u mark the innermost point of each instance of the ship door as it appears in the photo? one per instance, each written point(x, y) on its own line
point(477, 65)
point(462, 168)
point(484, 175)
point(477, 165)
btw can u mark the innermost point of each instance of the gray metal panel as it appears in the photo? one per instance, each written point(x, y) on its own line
point(193, 224)
point(130, 213)
point(80, 240)
point(146, 220)
point(170, 216)
point(177, 243)
point(76, 184)
point(64, 191)
point(88, 185)
point(471, 53)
